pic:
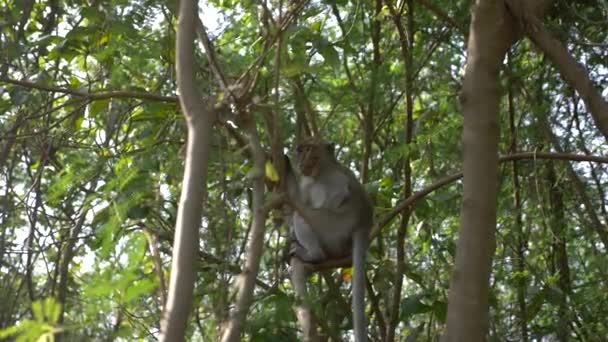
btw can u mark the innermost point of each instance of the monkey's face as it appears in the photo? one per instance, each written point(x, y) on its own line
point(311, 155)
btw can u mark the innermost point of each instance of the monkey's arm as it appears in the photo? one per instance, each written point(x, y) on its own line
point(291, 183)
point(323, 217)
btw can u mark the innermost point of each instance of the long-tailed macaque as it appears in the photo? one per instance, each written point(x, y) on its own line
point(332, 217)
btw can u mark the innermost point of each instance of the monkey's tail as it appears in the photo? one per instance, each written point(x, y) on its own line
point(360, 244)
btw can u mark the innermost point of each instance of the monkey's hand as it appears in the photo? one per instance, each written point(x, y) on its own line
point(292, 189)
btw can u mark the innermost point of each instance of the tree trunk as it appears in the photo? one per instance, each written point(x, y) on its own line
point(490, 36)
point(199, 119)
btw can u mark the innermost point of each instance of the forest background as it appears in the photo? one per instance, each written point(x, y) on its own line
point(92, 156)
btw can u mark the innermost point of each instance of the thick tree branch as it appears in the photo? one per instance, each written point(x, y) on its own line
point(67, 254)
point(491, 35)
point(199, 118)
point(573, 72)
point(406, 43)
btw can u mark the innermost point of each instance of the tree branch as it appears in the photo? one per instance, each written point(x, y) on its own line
point(199, 118)
point(384, 220)
point(444, 16)
point(101, 95)
point(158, 263)
point(255, 247)
point(573, 72)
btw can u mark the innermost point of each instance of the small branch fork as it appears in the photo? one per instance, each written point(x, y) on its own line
point(240, 95)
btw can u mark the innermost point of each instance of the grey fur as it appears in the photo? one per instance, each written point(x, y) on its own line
point(332, 219)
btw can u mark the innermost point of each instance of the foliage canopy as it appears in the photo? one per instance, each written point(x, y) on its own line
point(91, 164)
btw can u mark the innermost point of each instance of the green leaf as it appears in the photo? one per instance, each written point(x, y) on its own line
point(139, 288)
point(12, 330)
point(414, 276)
point(38, 311)
point(330, 55)
point(53, 310)
point(18, 95)
point(271, 172)
point(99, 108)
point(537, 302)
point(294, 69)
point(45, 311)
point(440, 309)
point(60, 186)
point(102, 287)
point(413, 305)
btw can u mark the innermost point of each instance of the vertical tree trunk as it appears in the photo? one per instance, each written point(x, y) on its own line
point(199, 119)
point(489, 39)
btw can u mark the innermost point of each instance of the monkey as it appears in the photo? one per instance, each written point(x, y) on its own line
point(332, 216)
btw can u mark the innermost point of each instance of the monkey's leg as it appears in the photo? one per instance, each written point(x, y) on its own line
point(306, 320)
point(307, 247)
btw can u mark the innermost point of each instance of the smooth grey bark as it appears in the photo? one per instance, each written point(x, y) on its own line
point(199, 118)
point(491, 34)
